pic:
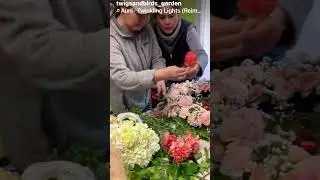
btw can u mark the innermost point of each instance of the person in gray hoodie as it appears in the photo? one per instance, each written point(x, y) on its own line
point(136, 62)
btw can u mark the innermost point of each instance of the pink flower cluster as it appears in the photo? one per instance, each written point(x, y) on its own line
point(182, 104)
point(195, 115)
point(180, 148)
point(288, 81)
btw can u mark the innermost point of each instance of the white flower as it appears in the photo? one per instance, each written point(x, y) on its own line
point(136, 142)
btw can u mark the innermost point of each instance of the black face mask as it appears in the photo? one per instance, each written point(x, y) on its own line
point(225, 9)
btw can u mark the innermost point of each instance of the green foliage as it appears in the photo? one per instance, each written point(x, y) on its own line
point(136, 111)
point(175, 125)
point(189, 4)
point(163, 168)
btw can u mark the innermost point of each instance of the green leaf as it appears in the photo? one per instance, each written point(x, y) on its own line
point(198, 155)
point(191, 168)
point(175, 125)
point(136, 111)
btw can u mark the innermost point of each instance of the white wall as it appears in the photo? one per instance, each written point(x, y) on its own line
point(309, 41)
point(203, 24)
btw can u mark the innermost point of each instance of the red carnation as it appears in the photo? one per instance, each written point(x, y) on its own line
point(192, 142)
point(256, 8)
point(167, 140)
point(180, 150)
point(190, 59)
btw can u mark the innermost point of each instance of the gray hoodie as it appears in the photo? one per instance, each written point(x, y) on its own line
point(133, 60)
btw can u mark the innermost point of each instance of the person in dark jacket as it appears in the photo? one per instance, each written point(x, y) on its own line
point(177, 36)
point(54, 77)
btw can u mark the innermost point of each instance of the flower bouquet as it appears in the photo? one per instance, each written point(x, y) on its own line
point(136, 142)
point(160, 148)
point(189, 101)
point(260, 132)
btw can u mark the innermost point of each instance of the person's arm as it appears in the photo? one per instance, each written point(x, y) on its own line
point(46, 52)
point(193, 40)
point(125, 78)
point(296, 12)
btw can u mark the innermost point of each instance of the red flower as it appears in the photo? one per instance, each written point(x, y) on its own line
point(309, 146)
point(256, 8)
point(158, 114)
point(192, 142)
point(180, 150)
point(306, 141)
point(167, 140)
point(190, 59)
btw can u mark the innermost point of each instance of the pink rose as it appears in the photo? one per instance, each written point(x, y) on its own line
point(205, 118)
point(244, 125)
point(185, 101)
point(174, 93)
point(307, 81)
point(255, 91)
point(204, 87)
point(284, 88)
point(237, 159)
point(173, 112)
point(184, 112)
point(193, 120)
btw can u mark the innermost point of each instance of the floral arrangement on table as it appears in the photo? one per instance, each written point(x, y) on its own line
point(146, 156)
point(189, 101)
point(262, 132)
point(165, 146)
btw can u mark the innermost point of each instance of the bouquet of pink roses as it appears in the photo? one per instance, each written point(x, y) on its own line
point(185, 100)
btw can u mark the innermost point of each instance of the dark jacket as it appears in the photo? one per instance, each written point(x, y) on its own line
point(54, 76)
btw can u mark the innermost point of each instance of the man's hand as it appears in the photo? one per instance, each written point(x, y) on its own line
point(161, 89)
point(247, 37)
point(226, 37)
point(173, 73)
point(265, 35)
point(193, 72)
